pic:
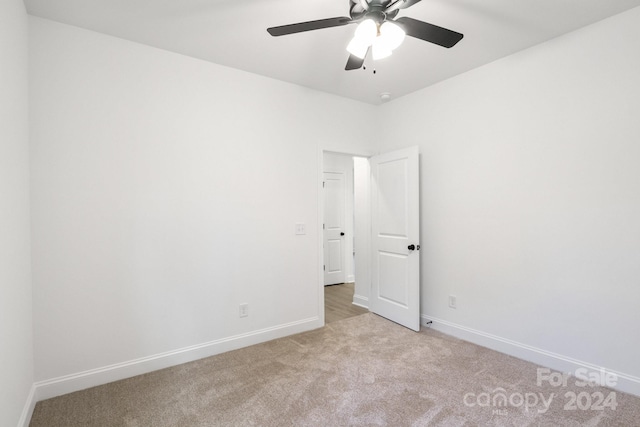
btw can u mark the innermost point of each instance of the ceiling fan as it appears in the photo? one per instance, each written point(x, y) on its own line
point(377, 29)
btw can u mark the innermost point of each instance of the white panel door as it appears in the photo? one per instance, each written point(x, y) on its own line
point(395, 231)
point(335, 193)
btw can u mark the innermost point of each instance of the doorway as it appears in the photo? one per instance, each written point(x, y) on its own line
point(386, 269)
point(345, 229)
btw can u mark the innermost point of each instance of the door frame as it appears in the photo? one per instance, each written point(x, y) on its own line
point(320, 177)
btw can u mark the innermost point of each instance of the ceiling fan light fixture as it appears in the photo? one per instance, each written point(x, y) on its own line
point(383, 39)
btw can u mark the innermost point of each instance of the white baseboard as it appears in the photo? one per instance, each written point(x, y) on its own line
point(625, 383)
point(83, 380)
point(29, 406)
point(361, 301)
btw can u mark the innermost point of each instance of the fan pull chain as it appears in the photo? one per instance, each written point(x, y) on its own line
point(364, 67)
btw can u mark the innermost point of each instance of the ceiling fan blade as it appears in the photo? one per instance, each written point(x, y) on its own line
point(409, 3)
point(429, 32)
point(309, 26)
point(355, 63)
point(400, 4)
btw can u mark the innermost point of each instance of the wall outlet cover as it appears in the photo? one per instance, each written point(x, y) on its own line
point(453, 303)
point(244, 310)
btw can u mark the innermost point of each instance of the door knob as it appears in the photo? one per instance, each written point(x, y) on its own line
point(411, 247)
point(341, 233)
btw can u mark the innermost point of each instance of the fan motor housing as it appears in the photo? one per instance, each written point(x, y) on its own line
point(376, 11)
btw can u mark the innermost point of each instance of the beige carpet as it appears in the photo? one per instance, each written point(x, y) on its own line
point(361, 371)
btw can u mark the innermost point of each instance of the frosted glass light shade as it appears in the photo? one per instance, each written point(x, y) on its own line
point(357, 47)
point(367, 31)
point(391, 35)
point(380, 49)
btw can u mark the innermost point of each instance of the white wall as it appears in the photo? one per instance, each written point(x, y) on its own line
point(16, 353)
point(530, 197)
point(165, 191)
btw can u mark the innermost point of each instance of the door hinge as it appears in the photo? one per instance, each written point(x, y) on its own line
point(324, 268)
point(323, 226)
point(322, 184)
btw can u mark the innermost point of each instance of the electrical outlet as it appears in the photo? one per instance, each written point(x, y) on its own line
point(453, 303)
point(244, 310)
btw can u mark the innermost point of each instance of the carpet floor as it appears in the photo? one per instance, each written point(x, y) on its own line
point(361, 371)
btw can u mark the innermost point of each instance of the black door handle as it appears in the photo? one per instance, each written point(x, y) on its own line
point(411, 247)
point(342, 234)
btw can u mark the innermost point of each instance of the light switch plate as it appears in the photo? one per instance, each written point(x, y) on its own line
point(301, 229)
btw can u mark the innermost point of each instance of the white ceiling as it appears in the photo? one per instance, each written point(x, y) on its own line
point(233, 33)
